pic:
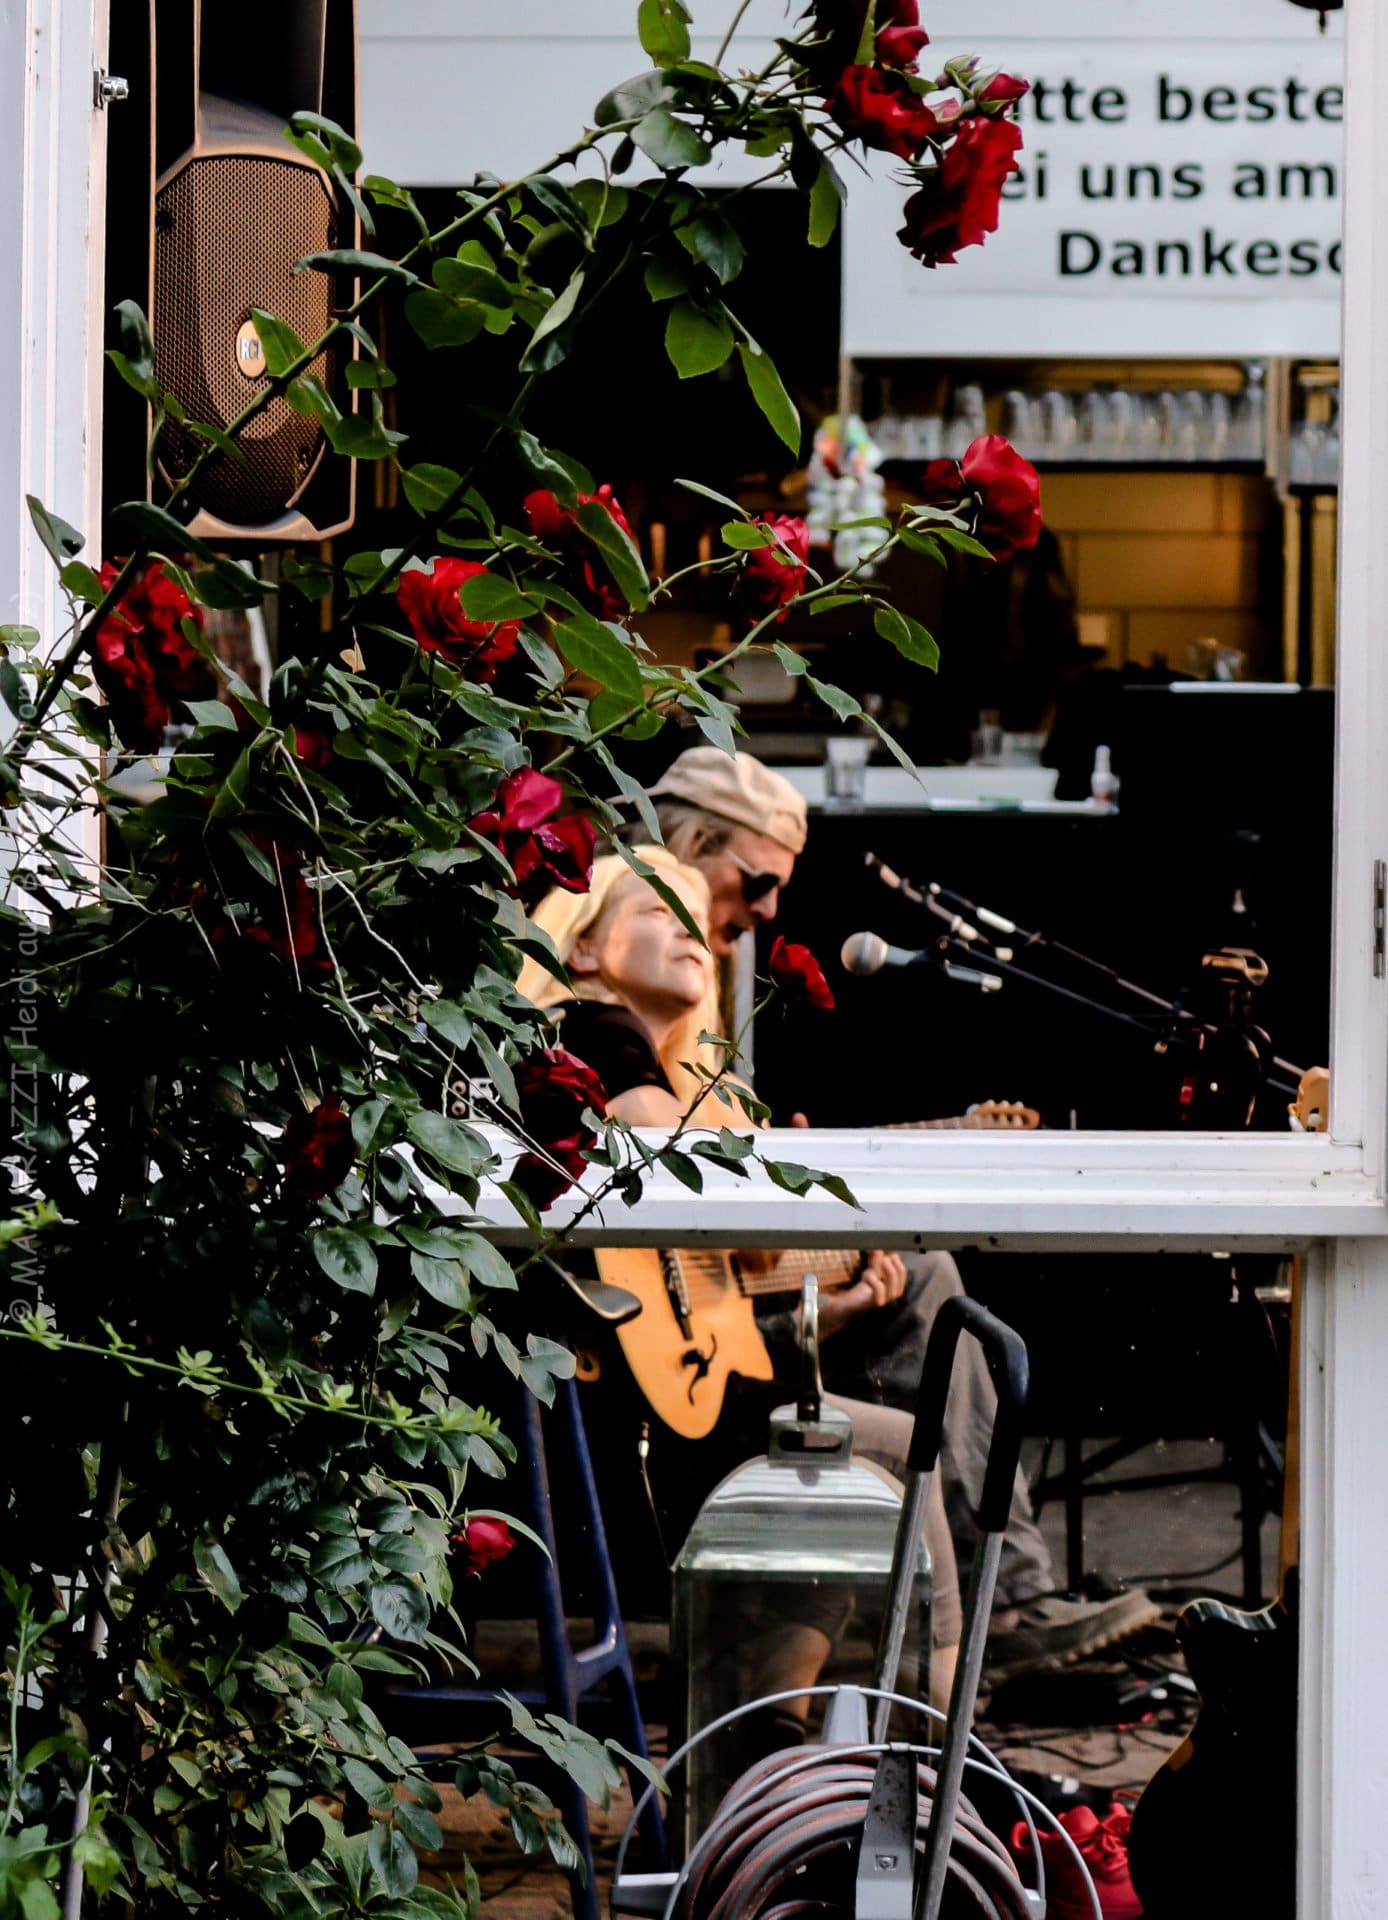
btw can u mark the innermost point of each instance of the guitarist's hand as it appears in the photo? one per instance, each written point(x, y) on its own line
point(881, 1280)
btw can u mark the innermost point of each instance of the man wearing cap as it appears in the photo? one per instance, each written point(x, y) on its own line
point(744, 825)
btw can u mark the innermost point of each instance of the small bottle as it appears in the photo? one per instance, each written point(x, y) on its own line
point(1103, 782)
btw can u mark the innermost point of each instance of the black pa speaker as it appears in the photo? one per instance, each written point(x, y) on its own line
point(210, 207)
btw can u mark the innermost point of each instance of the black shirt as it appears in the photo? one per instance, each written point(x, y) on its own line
point(614, 1043)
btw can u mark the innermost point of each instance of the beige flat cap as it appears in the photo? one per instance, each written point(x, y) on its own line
point(738, 788)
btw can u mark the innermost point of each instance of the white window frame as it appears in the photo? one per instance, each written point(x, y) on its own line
point(1326, 1193)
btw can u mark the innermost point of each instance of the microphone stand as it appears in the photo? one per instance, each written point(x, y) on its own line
point(976, 950)
point(1185, 1024)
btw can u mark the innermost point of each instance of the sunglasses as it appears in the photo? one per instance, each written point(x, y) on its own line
point(755, 886)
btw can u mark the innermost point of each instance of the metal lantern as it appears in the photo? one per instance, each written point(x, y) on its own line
point(782, 1582)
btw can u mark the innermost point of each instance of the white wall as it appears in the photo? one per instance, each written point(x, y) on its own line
point(51, 181)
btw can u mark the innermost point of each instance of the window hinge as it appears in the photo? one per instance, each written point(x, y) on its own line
point(1380, 914)
point(108, 88)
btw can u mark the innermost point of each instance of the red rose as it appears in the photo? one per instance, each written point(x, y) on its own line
point(880, 110)
point(900, 46)
point(141, 659)
point(958, 206)
point(774, 575)
point(1006, 488)
point(1004, 87)
point(1009, 496)
point(561, 525)
point(799, 975)
point(554, 1088)
point(318, 1151)
point(313, 745)
point(521, 823)
point(480, 1542)
point(290, 929)
point(431, 604)
point(124, 670)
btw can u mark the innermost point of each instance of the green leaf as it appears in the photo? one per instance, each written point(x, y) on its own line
point(281, 345)
point(827, 196)
point(664, 29)
point(634, 98)
point(544, 469)
point(452, 1145)
point(619, 551)
point(37, 1901)
point(665, 280)
point(770, 394)
point(557, 201)
point(442, 1280)
point(719, 246)
point(336, 142)
point(78, 578)
point(346, 1258)
point(428, 488)
point(548, 346)
point(212, 713)
point(217, 1571)
point(369, 374)
point(908, 636)
point(366, 1124)
point(963, 542)
point(465, 280)
point(401, 1607)
point(602, 653)
point(392, 1859)
point(338, 1561)
point(60, 540)
point(838, 702)
point(352, 259)
point(685, 1170)
point(446, 1017)
point(368, 1783)
point(492, 597)
point(669, 142)
point(418, 1826)
point(695, 341)
point(441, 322)
point(794, 663)
point(744, 535)
point(357, 436)
point(488, 1266)
point(136, 363)
point(603, 205)
point(695, 486)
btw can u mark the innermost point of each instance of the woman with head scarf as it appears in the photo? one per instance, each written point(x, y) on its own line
point(641, 991)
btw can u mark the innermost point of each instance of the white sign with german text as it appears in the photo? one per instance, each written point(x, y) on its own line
point(1174, 198)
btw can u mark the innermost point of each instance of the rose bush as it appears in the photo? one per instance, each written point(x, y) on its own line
point(271, 1065)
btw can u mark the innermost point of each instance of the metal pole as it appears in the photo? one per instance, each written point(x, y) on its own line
point(906, 1551)
point(963, 1695)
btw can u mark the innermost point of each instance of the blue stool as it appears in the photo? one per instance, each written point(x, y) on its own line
point(570, 1674)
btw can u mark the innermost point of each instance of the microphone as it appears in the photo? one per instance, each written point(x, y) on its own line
point(867, 953)
point(863, 954)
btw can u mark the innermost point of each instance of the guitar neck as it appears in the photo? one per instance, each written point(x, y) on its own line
point(834, 1269)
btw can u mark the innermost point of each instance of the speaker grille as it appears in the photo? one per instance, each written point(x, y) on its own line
point(227, 232)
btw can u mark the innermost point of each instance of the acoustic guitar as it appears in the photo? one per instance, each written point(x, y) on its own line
point(697, 1322)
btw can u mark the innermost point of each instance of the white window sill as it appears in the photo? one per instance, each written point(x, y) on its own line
point(1149, 1192)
